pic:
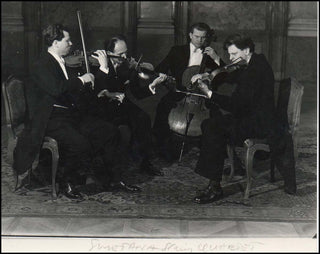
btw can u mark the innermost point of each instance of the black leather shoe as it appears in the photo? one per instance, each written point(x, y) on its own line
point(150, 169)
point(290, 190)
point(121, 186)
point(204, 191)
point(209, 197)
point(69, 191)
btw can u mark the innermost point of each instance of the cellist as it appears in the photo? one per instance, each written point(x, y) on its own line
point(176, 62)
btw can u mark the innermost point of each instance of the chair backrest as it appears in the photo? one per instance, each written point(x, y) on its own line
point(14, 104)
point(289, 107)
point(289, 103)
point(294, 105)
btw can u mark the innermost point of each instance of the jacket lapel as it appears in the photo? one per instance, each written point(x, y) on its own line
point(57, 66)
point(186, 55)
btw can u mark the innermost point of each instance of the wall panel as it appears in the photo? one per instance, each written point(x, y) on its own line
point(301, 60)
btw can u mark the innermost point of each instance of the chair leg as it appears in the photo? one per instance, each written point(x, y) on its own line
point(272, 167)
point(34, 166)
point(230, 152)
point(250, 151)
point(29, 176)
point(55, 159)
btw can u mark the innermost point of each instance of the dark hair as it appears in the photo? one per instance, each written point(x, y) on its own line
point(211, 36)
point(240, 41)
point(53, 32)
point(110, 44)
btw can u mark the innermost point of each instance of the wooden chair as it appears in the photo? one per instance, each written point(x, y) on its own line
point(15, 110)
point(289, 85)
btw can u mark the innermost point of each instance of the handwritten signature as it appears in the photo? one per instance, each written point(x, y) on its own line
point(98, 244)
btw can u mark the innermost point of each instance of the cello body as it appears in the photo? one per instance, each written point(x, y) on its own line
point(189, 110)
point(186, 118)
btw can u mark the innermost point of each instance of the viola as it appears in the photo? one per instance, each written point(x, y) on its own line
point(238, 63)
point(145, 70)
point(77, 59)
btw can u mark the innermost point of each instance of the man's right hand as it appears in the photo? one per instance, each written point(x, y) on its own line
point(87, 78)
point(200, 76)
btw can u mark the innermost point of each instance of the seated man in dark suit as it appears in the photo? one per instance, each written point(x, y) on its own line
point(251, 112)
point(175, 63)
point(112, 86)
point(52, 111)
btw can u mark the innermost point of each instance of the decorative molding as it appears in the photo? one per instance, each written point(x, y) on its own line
point(277, 27)
point(12, 23)
point(129, 23)
point(182, 13)
point(151, 23)
point(156, 30)
point(155, 23)
point(302, 28)
point(173, 10)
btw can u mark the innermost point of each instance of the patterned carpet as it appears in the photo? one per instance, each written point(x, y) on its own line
point(170, 196)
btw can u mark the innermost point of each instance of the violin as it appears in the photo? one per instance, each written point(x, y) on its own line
point(77, 59)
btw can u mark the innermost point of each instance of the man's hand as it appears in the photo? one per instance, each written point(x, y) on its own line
point(112, 95)
point(212, 53)
point(205, 89)
point(199, 77)
point(162, 77)
point(117, 97)
point(87, 78)
point(102, 57)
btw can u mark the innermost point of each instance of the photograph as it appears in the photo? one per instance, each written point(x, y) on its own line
point(159, 126)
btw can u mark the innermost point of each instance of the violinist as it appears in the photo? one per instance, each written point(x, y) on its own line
point(176, 62)
point(251, 113)
point(51, 112)
point(112, 86)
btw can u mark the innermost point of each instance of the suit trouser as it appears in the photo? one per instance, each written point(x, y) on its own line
point(218, 131)
point(139, 123)
point(214, 139)
point(80, 140)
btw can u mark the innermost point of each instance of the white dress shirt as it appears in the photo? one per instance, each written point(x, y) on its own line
point(61, 62)
point(196, 55)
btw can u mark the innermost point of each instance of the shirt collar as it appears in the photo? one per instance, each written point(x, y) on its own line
point(58, 58)
point(193, 49)
point(249, 58)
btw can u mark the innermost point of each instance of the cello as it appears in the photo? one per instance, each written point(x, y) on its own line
point(187, 117)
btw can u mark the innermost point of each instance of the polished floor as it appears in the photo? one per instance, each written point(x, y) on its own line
point(161, 235)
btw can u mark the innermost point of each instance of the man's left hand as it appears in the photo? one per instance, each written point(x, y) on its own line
point(102, 57)
point(212, 53)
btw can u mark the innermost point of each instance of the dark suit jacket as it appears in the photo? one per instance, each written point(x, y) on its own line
point(252, 102)
point(43, 88)
point(176, 62)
